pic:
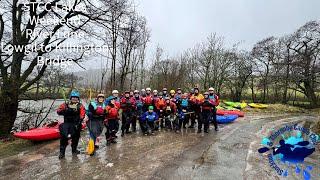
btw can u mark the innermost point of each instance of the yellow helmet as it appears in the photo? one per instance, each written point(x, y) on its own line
point(172, 91)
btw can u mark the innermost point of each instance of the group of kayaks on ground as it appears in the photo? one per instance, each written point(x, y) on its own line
point(154, 111)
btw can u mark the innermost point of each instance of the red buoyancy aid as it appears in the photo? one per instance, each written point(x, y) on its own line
point(148, 100)
point(112, 112)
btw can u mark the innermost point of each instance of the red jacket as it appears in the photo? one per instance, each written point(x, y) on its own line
point(172, 106)
point(148, 100)
point(112, 112)
point(62, 110)
point(207, 104)
point(127, 104)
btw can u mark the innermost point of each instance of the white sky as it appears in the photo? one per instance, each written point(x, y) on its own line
point(177, 25)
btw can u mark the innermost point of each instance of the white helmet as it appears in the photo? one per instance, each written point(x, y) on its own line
point(136, 92)
point(115, 92)
point(211, 89)
point(155, 91)
point(148, 89)
point(142, 90)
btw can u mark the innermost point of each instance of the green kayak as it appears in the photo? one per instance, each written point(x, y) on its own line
point(237, 105)
point(223, 107)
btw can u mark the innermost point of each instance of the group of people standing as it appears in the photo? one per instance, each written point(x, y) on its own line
point(153, 111)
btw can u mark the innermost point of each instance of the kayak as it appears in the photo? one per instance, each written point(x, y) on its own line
point(226, 119)
point(219, 107)
point(258, 105)
point(229, 112)
point(227, 108)
point(40, 134)
point(237, 105)
point(47, 132)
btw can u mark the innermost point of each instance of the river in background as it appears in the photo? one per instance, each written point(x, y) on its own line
point(48, 114)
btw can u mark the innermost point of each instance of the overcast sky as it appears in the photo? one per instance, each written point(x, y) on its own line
point(177, 25)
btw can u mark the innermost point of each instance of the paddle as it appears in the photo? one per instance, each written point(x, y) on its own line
point(64, 95)
point(263, 150)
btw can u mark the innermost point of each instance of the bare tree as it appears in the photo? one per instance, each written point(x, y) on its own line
point(306, 65)
point(264, 52)
point(15, 26)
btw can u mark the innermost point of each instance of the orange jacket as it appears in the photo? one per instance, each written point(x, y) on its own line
point(197, 99)
point(160, 104)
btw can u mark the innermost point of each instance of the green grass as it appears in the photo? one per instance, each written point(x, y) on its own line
point(13, 147)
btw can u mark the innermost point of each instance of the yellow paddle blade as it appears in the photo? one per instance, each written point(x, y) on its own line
point(90, 147)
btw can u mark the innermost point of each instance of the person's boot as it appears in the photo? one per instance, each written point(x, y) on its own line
point(108, 142)
point(75, 151)
point(62, 152)
point(61, 156)
point(114, 141)
point(206, 131)
point(122, 133)
point(216, 129)
point(199, 131)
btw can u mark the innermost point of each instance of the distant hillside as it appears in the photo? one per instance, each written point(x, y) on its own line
point(90, 77)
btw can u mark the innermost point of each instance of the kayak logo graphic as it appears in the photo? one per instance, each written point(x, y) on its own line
point(288, 147)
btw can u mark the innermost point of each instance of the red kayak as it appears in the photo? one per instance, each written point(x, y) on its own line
point(40, 134)
point(48, 132)
point(230, 112)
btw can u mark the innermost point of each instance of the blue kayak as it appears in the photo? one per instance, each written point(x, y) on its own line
point(226, 118)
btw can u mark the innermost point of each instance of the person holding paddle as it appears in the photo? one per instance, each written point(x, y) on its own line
point(96, 114)
point(74, 113)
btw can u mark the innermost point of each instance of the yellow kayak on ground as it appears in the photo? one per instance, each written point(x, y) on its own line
point(237, 105)
point(258, 105)
point(223, 107)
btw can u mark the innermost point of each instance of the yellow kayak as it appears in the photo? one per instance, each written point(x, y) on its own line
point(258, 105)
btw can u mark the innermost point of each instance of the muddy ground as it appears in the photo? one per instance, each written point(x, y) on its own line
point(230, 153)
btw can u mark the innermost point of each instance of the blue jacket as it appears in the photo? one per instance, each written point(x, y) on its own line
point(151, 117)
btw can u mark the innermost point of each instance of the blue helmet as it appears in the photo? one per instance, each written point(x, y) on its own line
point(74, 93)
